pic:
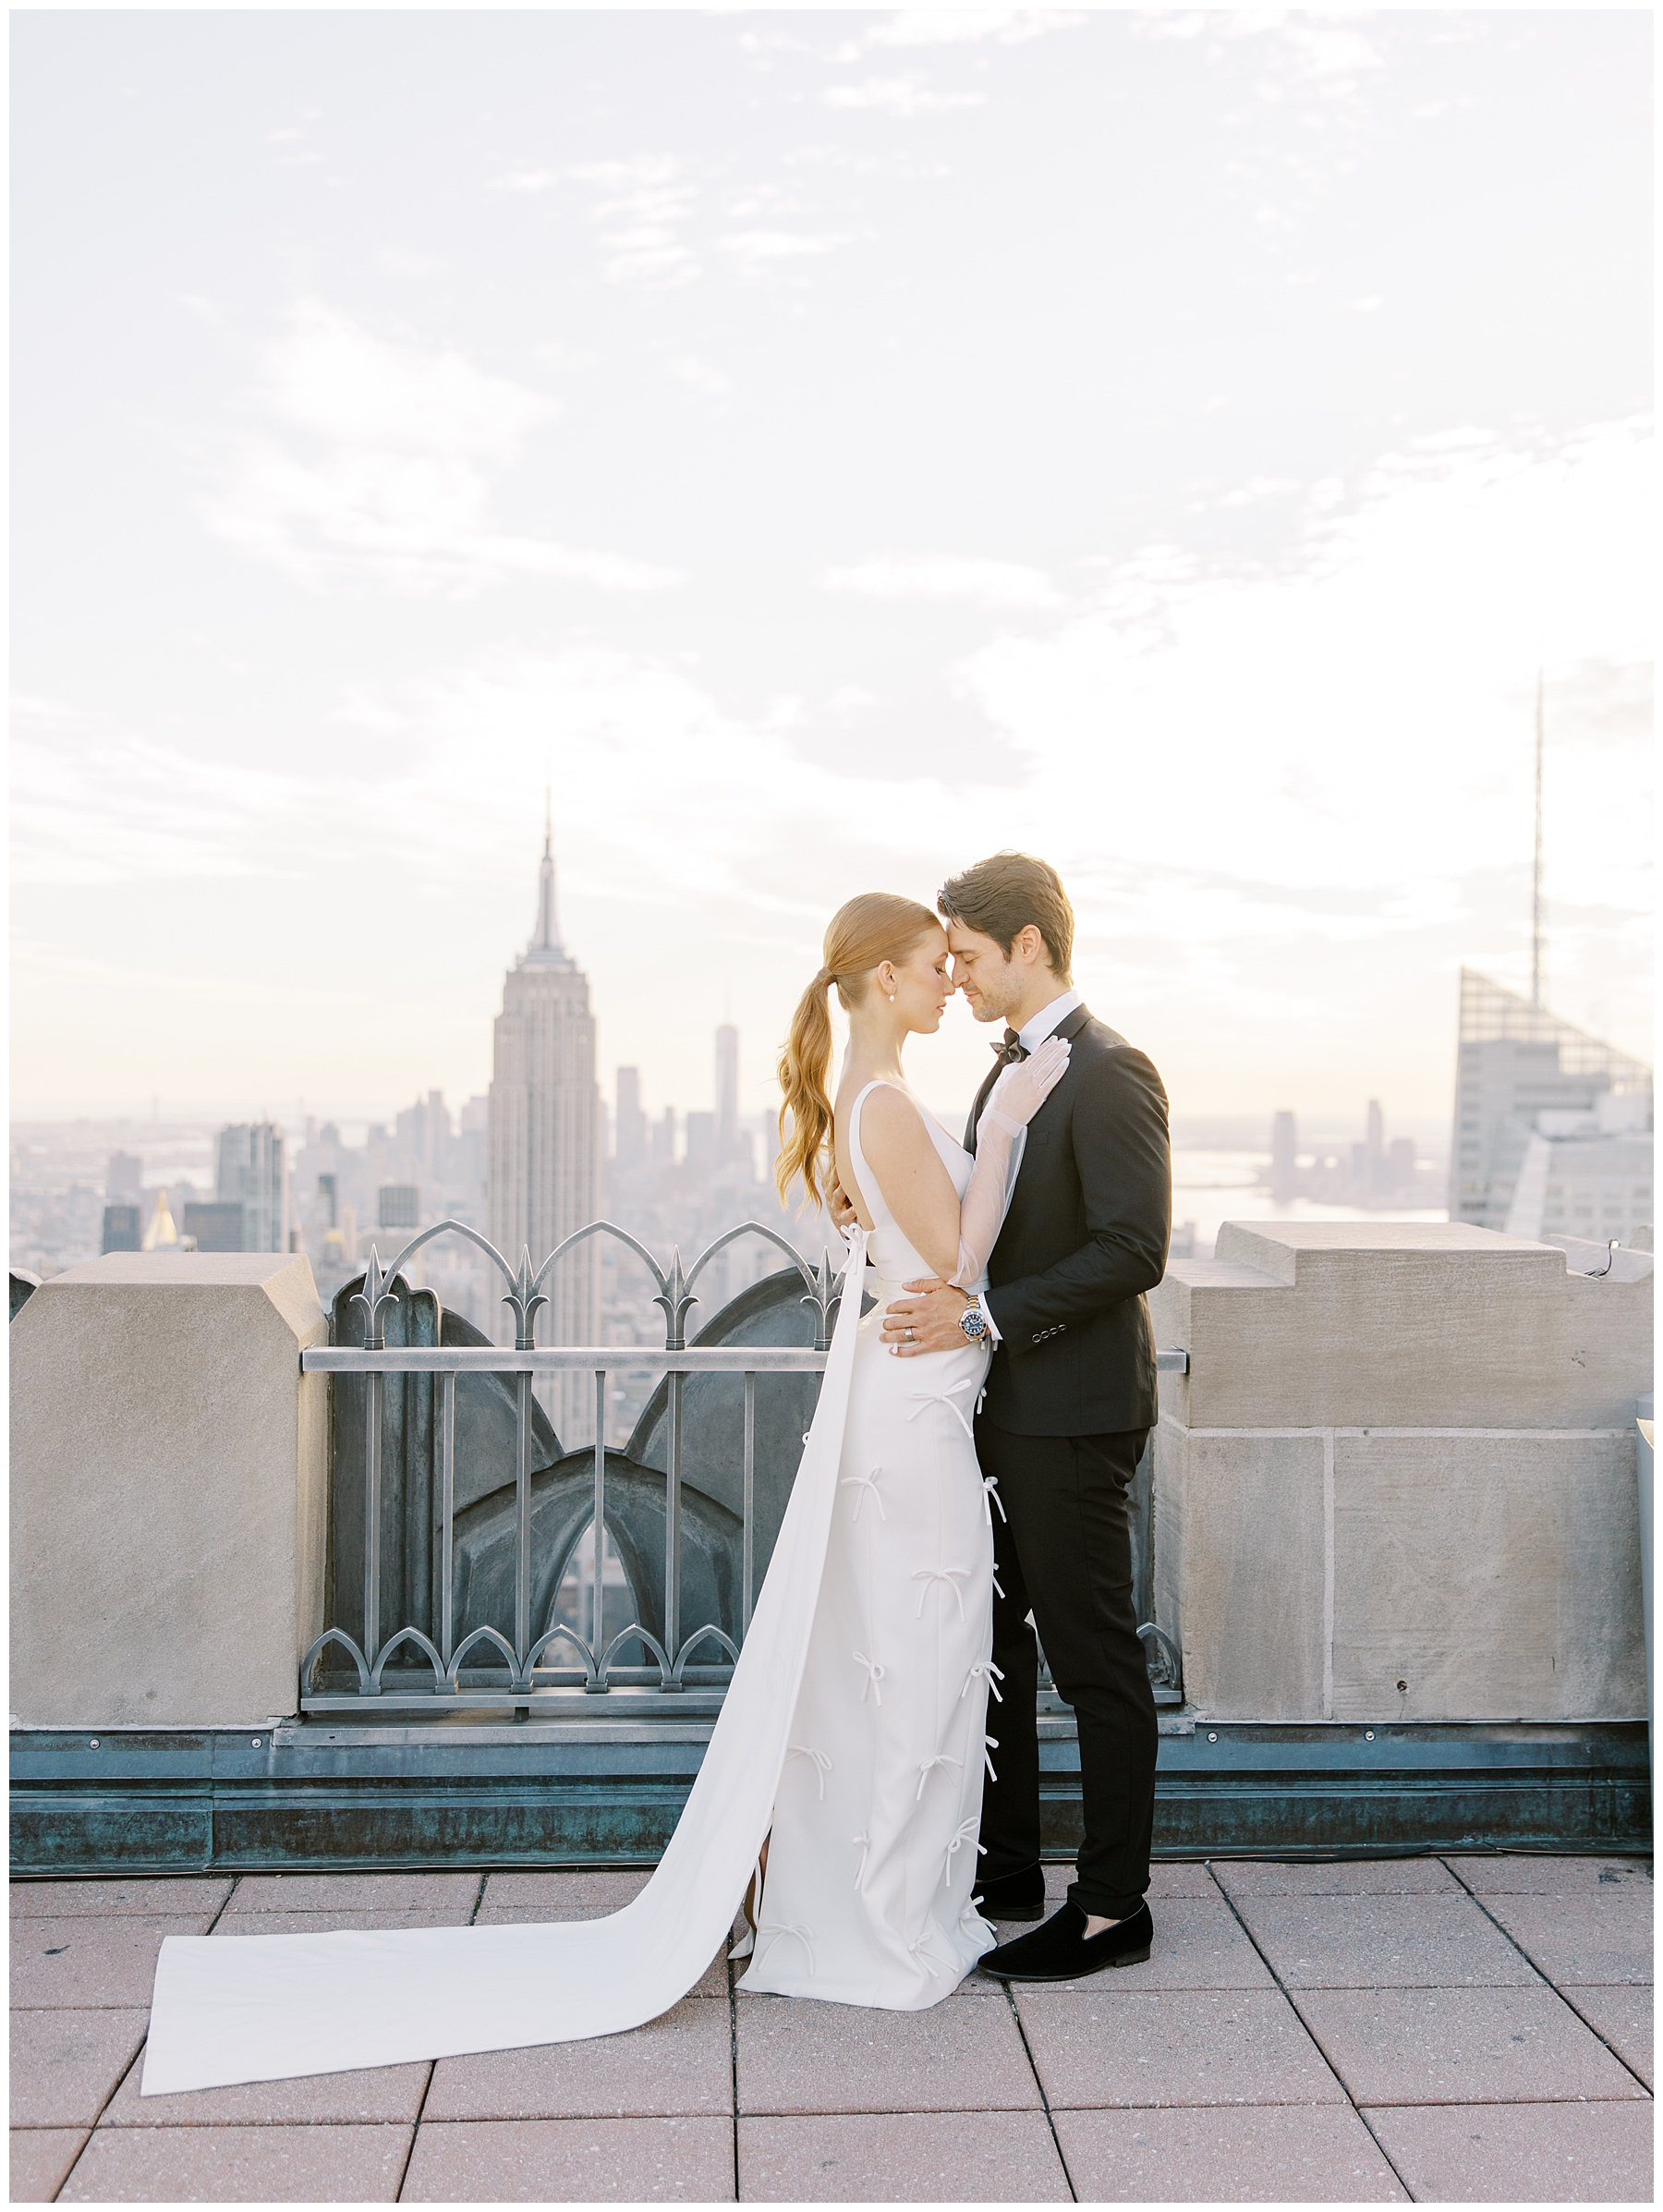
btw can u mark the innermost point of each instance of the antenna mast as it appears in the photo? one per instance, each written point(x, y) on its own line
point(1536, 899)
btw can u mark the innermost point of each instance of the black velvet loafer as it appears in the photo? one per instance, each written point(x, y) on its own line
point(1019, 1896)
point(1063, 1952)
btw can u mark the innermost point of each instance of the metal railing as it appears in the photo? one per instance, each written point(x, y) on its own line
point(524, 1361)
point(515, 1667)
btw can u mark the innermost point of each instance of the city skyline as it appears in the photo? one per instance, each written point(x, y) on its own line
point(1173, 443)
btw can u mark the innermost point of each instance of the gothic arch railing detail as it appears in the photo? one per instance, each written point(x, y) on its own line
point(520, 1657)
point(524, 1293)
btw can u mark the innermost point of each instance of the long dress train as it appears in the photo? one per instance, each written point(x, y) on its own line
point(893, 1927)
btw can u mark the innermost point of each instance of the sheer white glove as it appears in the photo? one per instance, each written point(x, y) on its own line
point(1021, 1090)
point(1024, 1085)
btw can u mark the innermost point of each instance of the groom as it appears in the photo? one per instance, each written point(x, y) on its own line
point(1069, 1405)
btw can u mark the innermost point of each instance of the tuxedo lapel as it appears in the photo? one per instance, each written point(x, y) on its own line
point(989, 1080)
point(1069, 1028)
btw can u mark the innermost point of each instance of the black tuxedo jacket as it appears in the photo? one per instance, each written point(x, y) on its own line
point(1084, 1238)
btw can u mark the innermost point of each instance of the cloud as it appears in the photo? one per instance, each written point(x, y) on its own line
point(899, 96)
point(1600, 702)
point(294, 144)
point(1286, 804)
point(1364, 715)
point(972, 26)
point(1328, 52)
point(755, 251)
point(699, 376)
point(93, 802)
point(947, 577)
point(1259, 488)
point(1330, 55)
point(526, 180)
point(56, 974)
point(330, 376)
point(640, 207)
point(378, 468)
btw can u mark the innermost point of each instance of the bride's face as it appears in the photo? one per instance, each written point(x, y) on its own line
point(922, 984)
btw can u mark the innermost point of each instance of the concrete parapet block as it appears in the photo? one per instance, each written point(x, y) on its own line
point(168, 1481)
point(1397, 1484)
point(1240, 1570)
point(1493, 1577)
point(1402, 1324)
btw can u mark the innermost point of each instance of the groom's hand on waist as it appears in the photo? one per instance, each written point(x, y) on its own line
point(927, 1319)
point(843, 1217)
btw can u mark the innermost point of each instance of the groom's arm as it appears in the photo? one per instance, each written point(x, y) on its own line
point(1124, 1157)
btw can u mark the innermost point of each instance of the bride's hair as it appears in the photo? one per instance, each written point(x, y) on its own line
point(876, 925)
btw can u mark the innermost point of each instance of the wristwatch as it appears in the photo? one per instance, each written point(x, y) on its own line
point(973, 1322)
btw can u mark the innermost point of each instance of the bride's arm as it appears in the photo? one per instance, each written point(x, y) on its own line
point(909, 1171)
point(1014, 1100)
point(913, 1181)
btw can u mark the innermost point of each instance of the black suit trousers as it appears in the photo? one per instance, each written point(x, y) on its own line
point(1065, 1554)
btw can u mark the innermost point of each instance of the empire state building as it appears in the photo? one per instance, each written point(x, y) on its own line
point(545, 1145)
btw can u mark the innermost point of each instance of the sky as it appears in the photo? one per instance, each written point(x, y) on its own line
point(822, 448)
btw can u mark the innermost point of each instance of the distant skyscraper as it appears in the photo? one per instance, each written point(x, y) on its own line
point(123, 1227)
point(1516, 1061)
point(124, 1179)
point(1284, 1158)
point(251, 1173)
point(727, 1091)
point(211, 1227)
point(422, 1135)
point(631, 1146)
point(701, 1143)
point(1587, 1174)
point(543, 1172)
point(398, 1205)
point(663, 1138)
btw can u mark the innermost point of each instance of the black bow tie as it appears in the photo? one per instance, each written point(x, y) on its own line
point(1012, 1049)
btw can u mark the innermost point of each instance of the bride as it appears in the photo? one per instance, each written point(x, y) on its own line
point(845, 1767)
point(866, 1893)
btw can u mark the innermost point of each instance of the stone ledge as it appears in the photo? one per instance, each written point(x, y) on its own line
point(1223, 1787)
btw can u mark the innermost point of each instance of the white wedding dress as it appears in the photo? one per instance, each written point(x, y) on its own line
point(854, 1728)
point(872, 1860)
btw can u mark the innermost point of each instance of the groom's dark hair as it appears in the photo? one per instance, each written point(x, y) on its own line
point(998, 898)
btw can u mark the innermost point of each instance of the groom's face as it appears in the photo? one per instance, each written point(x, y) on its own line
point(984, 972)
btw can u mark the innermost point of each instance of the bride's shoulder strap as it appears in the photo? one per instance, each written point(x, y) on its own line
point(859, 1100)
point(869, 1181)
point(861, 1096)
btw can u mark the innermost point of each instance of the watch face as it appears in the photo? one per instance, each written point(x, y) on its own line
point(973, 1322)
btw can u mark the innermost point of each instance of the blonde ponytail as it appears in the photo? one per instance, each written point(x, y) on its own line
point(876, 925)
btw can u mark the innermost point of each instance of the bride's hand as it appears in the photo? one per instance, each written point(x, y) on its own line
point(1025, 1085)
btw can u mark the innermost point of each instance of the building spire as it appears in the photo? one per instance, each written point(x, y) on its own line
point(161, 1233)
point(548, 920)
point(545, 949)
point(1535, 895)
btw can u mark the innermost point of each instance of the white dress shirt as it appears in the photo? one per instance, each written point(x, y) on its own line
point(1046, 1021)
point(1033, 1033)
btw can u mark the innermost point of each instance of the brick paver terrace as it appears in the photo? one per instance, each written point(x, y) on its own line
point(1455, 2029)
